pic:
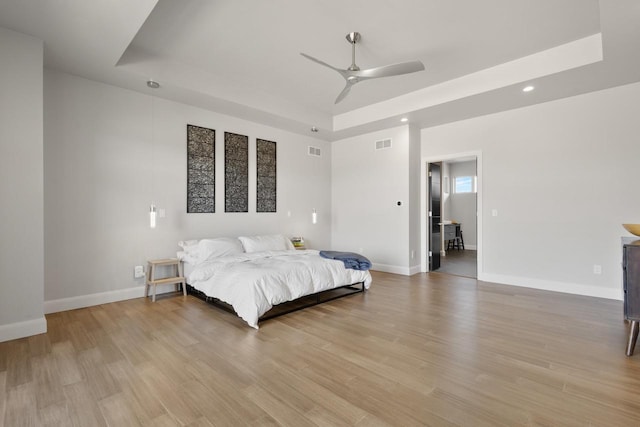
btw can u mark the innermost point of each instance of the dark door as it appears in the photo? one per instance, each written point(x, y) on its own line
point(434, 216)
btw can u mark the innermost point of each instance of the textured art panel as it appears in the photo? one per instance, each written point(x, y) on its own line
point(200, 169)
point(236, 172)
point(266, 176)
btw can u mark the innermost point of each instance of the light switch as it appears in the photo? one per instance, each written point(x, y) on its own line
point(494, 212)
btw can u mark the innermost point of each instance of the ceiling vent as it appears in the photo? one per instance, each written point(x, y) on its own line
point(383, 143)
point(314, 151)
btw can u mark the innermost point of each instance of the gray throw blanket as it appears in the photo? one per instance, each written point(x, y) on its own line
point(351, 260)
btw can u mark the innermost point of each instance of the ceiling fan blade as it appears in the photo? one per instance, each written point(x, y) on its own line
point(311, 58)
point(344, 92)
point(389, 70)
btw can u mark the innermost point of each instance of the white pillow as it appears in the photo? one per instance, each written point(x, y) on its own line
point(276, 242)
point(189, 258)
point(219, 247)
point(187, 244)
point(189, 253)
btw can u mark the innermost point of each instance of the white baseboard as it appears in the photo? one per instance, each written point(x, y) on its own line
point(395, 269)
point(27, 328)
point(405, 271)
point(415, 270)
point(64, 304)
point(548, 285)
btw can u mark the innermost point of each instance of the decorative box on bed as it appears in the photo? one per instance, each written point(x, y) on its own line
point(254, 274)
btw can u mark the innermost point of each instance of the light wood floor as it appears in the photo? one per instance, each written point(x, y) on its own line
point(432, 349)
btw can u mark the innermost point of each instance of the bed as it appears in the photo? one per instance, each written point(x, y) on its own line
point(254, 274)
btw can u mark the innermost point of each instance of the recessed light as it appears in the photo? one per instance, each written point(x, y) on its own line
point(153, 84)
point(527, 88)
point(404, 119)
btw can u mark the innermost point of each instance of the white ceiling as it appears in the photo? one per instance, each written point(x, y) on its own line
point(242, 57)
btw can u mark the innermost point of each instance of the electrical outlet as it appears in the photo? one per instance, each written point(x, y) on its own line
point(413, 254)
point(138, 271)
point(597, 269)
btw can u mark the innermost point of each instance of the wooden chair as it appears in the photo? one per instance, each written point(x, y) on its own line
point(458, 241)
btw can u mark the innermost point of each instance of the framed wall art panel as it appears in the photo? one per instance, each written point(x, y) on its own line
point(266, 176)
point(200, 169)
point(236, 172)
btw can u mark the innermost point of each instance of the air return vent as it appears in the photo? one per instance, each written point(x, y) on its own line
point(383, 143)
point(314, 151)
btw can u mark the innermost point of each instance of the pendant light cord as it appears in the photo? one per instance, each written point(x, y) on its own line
point(152, 209)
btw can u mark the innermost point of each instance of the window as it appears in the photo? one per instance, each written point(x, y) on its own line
point(465, 184)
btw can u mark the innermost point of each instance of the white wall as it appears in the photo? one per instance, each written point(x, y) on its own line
point(366, 186)
point(21, 188)
point(446, 191)
point(414, 249)
point(562, 177)
point(462, 206)
point(102, 170)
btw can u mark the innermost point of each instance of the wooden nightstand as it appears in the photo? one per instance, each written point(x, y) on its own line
point(178, 278)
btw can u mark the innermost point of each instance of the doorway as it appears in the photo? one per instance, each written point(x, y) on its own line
point(452, 215)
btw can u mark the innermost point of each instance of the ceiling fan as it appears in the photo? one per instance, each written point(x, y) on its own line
point(354, 74)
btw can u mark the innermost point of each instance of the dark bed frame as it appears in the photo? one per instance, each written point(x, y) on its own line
point(289, 306)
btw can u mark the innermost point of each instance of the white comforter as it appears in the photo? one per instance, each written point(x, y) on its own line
point(252, 283)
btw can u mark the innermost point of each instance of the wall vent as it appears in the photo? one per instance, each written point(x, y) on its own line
point(314, 151)
point(383, 143)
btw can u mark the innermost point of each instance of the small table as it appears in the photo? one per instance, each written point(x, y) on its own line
point(177, 278)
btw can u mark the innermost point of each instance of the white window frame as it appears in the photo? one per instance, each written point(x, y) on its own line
point(474, 184)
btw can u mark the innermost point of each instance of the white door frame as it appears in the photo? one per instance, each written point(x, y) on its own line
point(424, 194)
